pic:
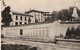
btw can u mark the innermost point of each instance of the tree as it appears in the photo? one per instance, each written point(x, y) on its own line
point(78, 11)
point(59, 15)
point(72, 32)
point(68, 34)
point(77, 32)
point(65, 14)
point(54, 15)
point(6, 16)
point(70, 11)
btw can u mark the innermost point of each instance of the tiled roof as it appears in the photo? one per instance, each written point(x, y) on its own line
point(36, 11)
point(23, 14)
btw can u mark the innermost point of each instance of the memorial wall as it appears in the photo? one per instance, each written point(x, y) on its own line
point(45, 31)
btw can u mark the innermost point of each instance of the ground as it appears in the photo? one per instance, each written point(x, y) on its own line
point(39, 45)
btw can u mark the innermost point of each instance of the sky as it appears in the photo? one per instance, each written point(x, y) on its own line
point(42, 5)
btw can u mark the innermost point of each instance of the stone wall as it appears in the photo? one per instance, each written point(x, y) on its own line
point(68, 42)
point(39, 30)
point(31, 31)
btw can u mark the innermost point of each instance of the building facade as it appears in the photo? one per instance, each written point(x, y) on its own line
point(20, 18)
point(32, 16)
point(38, 16)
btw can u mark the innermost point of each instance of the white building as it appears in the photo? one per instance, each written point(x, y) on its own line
point(38, 16)
point(20, 18)
point(33, 15)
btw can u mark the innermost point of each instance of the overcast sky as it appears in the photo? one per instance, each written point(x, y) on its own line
point(43, 5)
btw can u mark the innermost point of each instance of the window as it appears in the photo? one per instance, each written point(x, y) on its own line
point(35, 11)
point(25, 23)
point(20, 22)
point(25, 18)
point(29, 20)
point(16, 17)
point(21, 18)
point(16, 23)
point(21, 31)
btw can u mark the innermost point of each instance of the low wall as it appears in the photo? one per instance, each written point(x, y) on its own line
point(68, 42)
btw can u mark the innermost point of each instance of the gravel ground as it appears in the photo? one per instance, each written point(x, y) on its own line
point(39, 45)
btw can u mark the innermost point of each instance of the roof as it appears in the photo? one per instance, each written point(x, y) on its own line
point(23, 14)
point(36, 11)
